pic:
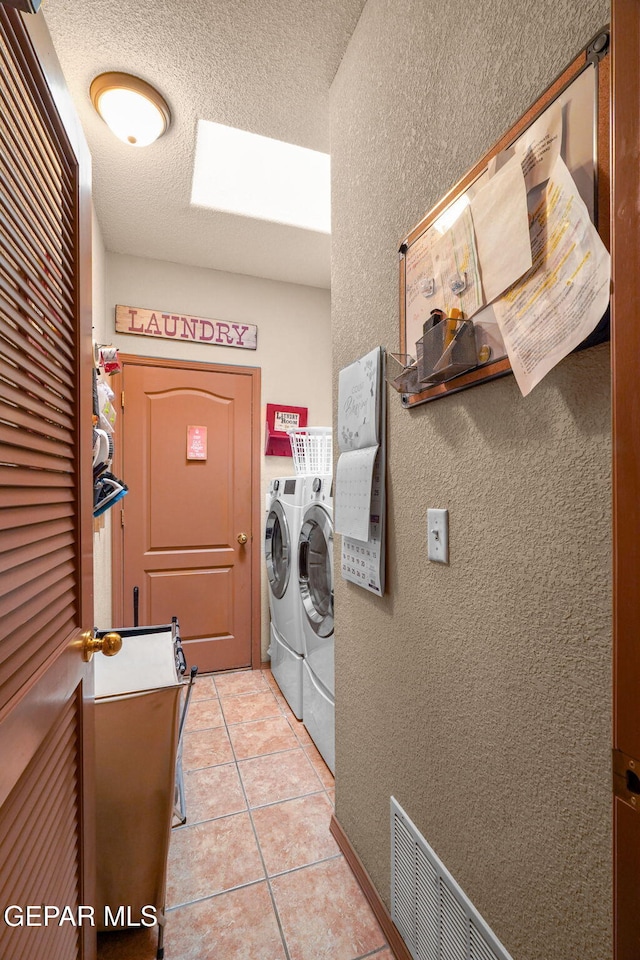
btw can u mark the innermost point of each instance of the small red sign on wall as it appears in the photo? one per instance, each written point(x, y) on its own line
point(196, 443)
point(279, 420)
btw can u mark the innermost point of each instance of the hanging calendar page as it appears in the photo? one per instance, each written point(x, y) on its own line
point(359, 501)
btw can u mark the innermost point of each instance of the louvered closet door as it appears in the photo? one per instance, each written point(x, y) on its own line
point(45, 513)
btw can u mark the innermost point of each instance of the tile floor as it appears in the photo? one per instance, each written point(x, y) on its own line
point(255, 873)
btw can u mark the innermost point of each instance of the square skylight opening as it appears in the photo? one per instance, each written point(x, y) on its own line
point(255, 176)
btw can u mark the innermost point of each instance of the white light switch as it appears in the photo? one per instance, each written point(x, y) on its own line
point(438, 535)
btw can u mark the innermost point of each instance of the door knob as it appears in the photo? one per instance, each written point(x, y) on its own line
point(242, 538)
point(109, 644)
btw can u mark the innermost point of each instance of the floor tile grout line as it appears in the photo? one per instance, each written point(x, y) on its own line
point(323, 790)
point(305, 866)
point(315, 771)
point(238, 723)
point(218, 893)
point(300, 744)
point(264, 865)
point(263, 720)
point(374, 953)
point(259, 848)
point(298, 796)
point(257, 756)
point(251, 693)
point(203, 729)
point(286, 710)
point(249, 810)
point(248, 671)
point(234, 813)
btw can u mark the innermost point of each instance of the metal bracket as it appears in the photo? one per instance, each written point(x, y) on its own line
point(598, 48)
point(626, 779)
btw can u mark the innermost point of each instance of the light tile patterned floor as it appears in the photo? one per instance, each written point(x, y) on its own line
point(255, 873)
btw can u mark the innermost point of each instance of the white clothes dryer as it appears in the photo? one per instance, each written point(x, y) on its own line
point(315, 580)
point(282, 528)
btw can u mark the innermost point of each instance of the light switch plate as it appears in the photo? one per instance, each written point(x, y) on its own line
point(438, 535)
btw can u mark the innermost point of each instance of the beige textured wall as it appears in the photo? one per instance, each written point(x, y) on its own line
point(477, 693)
point(294, 341)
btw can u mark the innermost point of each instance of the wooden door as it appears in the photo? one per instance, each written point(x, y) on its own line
point(188, 509)
point(46, 791)
point(625, 349)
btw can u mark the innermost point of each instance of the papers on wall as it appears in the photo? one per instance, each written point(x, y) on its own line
point(455, 264)
point(566, 127)
point(359, 500)
point(521, 237)
point(562, 298)
point(501, 226)
point(539, 146)
point(420, 288)
point(443, 256)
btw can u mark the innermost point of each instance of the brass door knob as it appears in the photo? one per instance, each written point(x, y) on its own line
point(242, 538)
point(109, 644)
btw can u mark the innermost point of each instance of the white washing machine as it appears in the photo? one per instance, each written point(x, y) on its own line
point(315, 582)
point(282, 528)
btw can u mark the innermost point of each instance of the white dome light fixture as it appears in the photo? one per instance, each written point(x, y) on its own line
point(131, 108)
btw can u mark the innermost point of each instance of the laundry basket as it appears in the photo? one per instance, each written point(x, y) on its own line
point(312, 449)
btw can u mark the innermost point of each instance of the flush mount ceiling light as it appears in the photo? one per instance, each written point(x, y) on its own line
point(130, 107)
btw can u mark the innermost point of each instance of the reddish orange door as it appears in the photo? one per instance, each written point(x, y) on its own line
point(189, 509)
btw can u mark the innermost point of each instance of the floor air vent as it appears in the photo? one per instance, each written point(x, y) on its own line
point(437, 921)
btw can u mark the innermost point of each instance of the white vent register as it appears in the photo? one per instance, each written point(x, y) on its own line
point(436, 919)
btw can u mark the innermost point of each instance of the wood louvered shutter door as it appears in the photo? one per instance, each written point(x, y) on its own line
point(38, 473)
point(39, 849)
point(45, 516)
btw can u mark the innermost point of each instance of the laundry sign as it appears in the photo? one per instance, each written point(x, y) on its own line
point(284, 421)
point(177, 326)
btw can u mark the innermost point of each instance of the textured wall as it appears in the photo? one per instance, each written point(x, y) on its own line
point(477, 693)
point(294, 341)
point(260, 65)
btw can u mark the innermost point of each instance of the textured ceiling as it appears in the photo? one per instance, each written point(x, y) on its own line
point(261, 65)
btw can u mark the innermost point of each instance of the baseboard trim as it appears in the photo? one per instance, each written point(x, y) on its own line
point(395, 941)
point(265, 665)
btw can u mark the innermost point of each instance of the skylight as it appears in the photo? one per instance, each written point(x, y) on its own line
point(254, 176)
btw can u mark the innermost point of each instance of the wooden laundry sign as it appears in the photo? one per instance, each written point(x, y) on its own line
point(177, 326)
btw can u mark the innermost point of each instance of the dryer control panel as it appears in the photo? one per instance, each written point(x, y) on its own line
point(320, 489)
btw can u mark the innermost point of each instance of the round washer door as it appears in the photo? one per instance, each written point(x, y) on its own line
point(277, 550)
point(315, 559)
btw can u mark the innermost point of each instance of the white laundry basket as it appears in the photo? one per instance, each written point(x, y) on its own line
point(312, 449)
